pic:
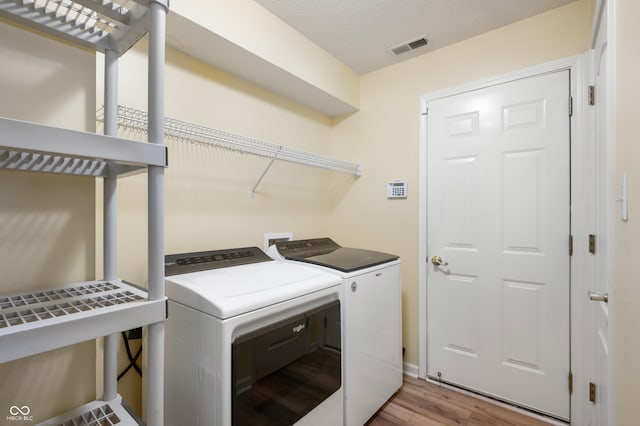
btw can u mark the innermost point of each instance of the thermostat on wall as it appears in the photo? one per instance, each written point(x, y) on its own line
point(397, 189)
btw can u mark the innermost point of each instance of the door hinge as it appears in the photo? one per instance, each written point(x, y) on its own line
point(592, 392)
point(426, 111)
point(591, 95)
point(570, 382)
point(570, 106)
point(570, 245)
point(592, 244)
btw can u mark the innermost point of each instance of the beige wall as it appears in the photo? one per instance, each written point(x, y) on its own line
point(384, 134)
point(208, 202)
point(46, 221)
point(208, 191)
point(627, 293)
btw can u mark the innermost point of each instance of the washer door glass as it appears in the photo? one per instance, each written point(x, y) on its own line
point(283, 371)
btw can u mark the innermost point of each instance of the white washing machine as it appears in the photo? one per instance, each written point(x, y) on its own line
point(372, 316)
point(252, 341)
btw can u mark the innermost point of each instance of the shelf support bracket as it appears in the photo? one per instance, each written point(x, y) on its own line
point(275, 156)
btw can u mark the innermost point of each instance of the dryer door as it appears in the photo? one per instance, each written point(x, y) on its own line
point(283, 371)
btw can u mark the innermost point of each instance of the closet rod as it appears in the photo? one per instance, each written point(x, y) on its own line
point(134, 119)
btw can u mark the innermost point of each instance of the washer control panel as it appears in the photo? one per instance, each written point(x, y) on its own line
point(175, 264)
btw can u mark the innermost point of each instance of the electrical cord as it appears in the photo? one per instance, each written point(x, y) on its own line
point(132, 359)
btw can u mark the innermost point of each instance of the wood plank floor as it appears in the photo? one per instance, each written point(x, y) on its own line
point(421, 403)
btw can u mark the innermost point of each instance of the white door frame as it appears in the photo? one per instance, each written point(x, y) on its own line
point(582, 162)
point(608, 166)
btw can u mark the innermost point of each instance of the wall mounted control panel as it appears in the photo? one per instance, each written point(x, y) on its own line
point(397, 189)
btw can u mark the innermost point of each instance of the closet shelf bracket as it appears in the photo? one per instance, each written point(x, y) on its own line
point(275, 156)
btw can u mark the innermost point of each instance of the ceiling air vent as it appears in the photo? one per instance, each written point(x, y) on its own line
point(408, 46)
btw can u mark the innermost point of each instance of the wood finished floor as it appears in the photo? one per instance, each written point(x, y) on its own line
point(421, 403)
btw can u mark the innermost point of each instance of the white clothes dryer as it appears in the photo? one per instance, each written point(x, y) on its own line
point(372, 319)
point(251, 341)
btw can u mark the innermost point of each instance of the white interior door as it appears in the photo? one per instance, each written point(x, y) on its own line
point(600, 311)
point(498, 214)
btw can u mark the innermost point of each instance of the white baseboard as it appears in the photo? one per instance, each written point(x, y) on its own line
point(410, 370)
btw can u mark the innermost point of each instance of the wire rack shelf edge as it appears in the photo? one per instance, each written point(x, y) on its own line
point(183, 131)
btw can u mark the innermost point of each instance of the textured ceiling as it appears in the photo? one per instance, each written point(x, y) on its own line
point(359, 32)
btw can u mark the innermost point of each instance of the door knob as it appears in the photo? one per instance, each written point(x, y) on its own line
point(598, 297)
point(437, 261)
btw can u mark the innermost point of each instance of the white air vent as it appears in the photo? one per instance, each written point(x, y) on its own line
point(408, 46)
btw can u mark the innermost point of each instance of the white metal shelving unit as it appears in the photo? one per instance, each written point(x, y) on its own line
point(38, 321)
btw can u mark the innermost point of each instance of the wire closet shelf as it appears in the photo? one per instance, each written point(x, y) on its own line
point(183, 131)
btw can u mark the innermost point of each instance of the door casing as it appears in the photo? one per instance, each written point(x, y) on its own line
point(606, 163)
point(582, 216)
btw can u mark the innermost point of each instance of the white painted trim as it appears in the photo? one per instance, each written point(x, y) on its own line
point(607, 165)
point(576, 66)
point(595, 25)
point(422, 243)
point(582, 224)
point(611, 176)
point(410, 370)
point(549, 67)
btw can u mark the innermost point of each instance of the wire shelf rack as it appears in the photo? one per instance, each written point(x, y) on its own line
point(25, 308)
point(79, 312)
point(104, 413)
point(182, 131)
point(94, 24)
